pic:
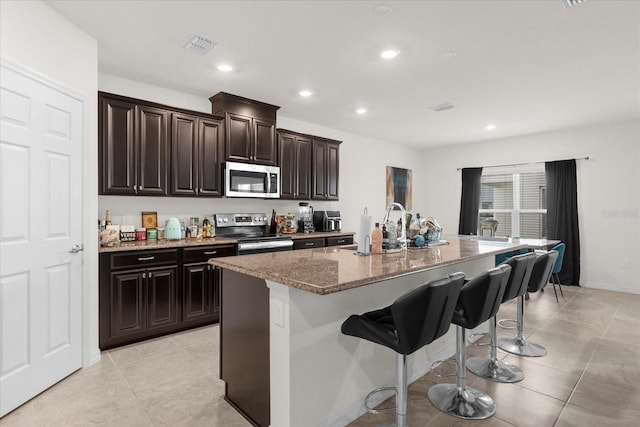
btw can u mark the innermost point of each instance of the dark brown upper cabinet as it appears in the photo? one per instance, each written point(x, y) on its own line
point(133, 147)
point(294, 159)
point(196, 148)
point(250, 128)
point(326, 169)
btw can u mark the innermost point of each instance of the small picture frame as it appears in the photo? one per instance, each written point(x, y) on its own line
point(150, 219)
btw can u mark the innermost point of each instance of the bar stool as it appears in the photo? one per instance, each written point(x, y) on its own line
point(414, 320)
point(479, 300)
point(491, 367)
point(539, 278)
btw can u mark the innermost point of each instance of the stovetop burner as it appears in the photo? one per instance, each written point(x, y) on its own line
point(250, 229)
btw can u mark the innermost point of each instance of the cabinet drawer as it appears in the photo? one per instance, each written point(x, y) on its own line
point(308, 243)
point(203, 253)
point(340, 240)
point(144, 258)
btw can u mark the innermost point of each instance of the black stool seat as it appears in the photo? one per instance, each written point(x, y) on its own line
point(479, 300)
point(491, 367)
point(414, 320)
point(540, 273)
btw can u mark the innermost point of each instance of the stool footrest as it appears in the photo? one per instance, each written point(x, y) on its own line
point(473, 339)
point(503, 326)
point(381, 410)
point(437, 363)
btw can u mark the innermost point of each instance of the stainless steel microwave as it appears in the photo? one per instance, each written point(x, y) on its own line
point(248, 180)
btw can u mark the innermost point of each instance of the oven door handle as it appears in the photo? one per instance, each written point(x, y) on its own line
point(275, 244)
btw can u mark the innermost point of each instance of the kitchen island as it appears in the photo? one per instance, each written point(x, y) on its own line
point(282, 356)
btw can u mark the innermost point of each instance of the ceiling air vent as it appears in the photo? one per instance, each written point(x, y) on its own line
point(442, 107)
point(570, 3)
point(199, 45)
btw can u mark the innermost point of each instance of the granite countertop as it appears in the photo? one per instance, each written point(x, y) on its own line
point(183, 243)
point(336, 268)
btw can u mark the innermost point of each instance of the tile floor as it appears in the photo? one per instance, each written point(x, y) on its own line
point(591, 376)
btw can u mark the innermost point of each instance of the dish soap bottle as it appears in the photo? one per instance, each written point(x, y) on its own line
point(376, 239)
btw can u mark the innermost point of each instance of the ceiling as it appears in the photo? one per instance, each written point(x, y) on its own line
point(525, 66)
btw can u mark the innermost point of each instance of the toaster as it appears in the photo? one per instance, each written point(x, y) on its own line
point(172, 230)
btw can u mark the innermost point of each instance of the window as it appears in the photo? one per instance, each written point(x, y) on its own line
point(517, 199)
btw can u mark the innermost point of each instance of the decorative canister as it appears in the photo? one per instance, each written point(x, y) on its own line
point(141, 234)
point(152, 234)
point(161, 233)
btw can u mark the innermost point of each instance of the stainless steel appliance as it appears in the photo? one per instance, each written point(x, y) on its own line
point(327, 220)
point(249, 180)
point(250, 229)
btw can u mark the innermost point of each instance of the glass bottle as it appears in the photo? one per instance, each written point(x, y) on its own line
point(385, 237)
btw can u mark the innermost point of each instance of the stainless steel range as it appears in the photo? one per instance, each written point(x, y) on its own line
point(250, 229)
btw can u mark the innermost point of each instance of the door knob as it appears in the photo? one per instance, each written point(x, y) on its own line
point(76, 248)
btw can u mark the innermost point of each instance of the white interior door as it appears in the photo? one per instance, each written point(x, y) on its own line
point(40, 221)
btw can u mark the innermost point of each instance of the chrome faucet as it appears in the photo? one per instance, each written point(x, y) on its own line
point(402, 239)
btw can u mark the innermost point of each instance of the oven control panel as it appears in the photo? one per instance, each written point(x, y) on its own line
point(240, 220)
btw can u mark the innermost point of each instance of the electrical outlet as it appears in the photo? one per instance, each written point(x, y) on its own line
point(625, 263)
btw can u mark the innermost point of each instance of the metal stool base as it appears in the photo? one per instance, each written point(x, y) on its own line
point(495, 370)
point(522, 347)
point(462, 402)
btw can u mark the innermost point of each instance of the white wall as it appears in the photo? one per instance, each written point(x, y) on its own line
point(36, 37)
point(362, 183)
point(608, 191)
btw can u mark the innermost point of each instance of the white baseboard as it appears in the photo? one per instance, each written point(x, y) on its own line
point(610, 287)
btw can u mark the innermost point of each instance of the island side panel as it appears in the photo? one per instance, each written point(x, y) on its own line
point(244, 344)
point(330, 373)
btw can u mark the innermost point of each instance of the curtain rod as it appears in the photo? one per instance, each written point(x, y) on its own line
point(525, 164)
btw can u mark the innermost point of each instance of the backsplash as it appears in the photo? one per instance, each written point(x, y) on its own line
point(127, 210)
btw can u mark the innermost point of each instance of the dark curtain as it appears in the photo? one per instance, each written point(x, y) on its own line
point(470, 201)
point(562, 215)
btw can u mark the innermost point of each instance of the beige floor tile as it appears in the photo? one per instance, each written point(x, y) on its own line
point(576, 416)
point(445, 420)
point(208, 334)
point(138, 351)
point(557, 383)
point(22, 416)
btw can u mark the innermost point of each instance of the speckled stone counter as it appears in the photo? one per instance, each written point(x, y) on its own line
point(334, 269)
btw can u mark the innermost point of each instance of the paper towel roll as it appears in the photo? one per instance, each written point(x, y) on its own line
point(364, 236)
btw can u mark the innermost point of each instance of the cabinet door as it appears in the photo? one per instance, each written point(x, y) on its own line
point(216, 280)
point(264, 147)
point(287, 161)
point(303, 168)
point(238, 138)
point(210, 139)
point(152, 155)
point(162, 307)
point(196, 282)
point(341, 240)
point(319, 174)
point(184, 151)
point(127, 305)
point(117, 147)
point(332, 175)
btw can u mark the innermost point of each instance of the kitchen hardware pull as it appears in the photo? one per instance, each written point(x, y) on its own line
point(341, 241)
point(211, 252)
point(146, 258)
point(309, 244)
point(209, 267)
point(76, 248)
point(144, 275)
point(149, 275)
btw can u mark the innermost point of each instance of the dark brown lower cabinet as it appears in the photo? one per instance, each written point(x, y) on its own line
point(145, 294)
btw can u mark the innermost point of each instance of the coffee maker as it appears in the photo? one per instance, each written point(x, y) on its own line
point(305, 222)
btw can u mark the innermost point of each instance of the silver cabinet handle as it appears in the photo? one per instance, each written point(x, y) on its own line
point(144, 275)
point(211, 252)
point(150, 275)
point(309, 244)
point(146, 258)
point(76, 248)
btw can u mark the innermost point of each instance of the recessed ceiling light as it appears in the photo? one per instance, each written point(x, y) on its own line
point(490, 126)
point(361, 110)
point(389, 54)
point(305, 93)
point(225, 68)
point(442, 107)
